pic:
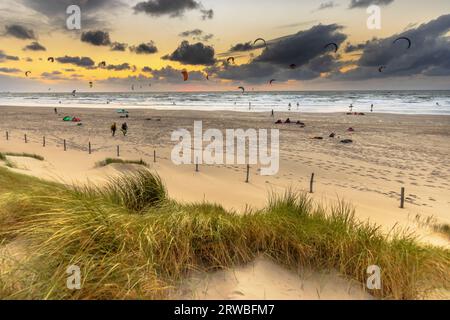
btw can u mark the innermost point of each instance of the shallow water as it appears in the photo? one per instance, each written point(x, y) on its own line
point(401, 102)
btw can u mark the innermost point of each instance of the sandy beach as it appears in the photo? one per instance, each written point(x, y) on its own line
point(388, 152)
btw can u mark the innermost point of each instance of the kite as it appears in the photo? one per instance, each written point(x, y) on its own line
point(91, 84)
point(404, 38)
point(102, 64)
point(380, 69)
point(242, 88)
point(51, 59)
point(185, 75)
point(293, 66)
point(271, 81)
point(74, 92)
point(336, 47)
point(230, 59)
point(260, 39)
point(27, 73)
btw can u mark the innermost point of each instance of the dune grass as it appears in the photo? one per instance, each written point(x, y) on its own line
point(26, 155)
point(109, 161)
point(132, 242)
point(443, 229)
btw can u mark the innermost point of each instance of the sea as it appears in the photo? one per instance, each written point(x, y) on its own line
point(396, 102)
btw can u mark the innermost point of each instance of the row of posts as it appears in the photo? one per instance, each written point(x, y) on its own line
point(247, 180)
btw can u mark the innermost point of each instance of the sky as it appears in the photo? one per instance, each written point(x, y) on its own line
point(146, 44)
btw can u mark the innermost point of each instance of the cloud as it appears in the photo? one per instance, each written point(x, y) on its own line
point(119, 67)
point(144, 48)
point(241, 47)
point(326, 5)
point(172, 75)
point(84, 62)
point(55, 75)
point(35, 46)
point(19, 32)
point(4, 57)
point(303, 46)
point(367, 3)
point(305, 49)
point(428, 55)
point(96, 38)
point(118, 46)
point(358, 47)
point(193, 54)
point(172, 8)
point(95, 13)
point(147, 69)
point(207, 14)
point(9, 70)
point(197, 35)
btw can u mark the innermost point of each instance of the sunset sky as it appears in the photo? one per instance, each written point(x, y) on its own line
point(142, 44)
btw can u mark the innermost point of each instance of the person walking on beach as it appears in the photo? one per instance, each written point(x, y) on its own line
point(113, 129)
point(273, 114)
point(371, 108)
point(56, 111)
point(124, 128)
point(351, 107)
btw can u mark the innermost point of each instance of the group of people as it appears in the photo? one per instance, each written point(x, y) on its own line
point(123, 128)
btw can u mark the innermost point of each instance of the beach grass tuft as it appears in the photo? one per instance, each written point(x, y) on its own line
point(25, 155)
point(133, 242)
point(109, 161)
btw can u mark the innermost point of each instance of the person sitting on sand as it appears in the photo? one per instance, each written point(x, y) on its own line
point(279, 122)
point(332, 135)
point(351, 130)
point(124, 128)
point(288, 120)
point(113, 129)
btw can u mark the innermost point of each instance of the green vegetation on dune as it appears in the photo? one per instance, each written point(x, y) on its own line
point(25, 155)
point(109, 161)
point(131, 241)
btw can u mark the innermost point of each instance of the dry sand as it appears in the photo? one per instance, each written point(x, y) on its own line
point(389, 152)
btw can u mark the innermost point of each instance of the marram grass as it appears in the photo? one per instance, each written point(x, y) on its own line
point(132, 242)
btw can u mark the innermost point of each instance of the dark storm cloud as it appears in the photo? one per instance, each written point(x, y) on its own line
point(96, 38)
point(9, 70)
point(144, 48)
point(35, 46)
point(84, 62)
point(118, 46)
point(367, 3)
point(302, 47)
point(119, 67)
point(429, 54)
point(305, 49)
point(19, 32)
point(147, 69)
point(4, 56)
point(193, 54)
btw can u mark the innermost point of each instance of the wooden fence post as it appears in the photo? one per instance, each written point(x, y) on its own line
point(248, 174)
point(311, 184)
point(402, 198)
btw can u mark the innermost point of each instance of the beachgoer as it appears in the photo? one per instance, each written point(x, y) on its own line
point(56, 111)
point(298, 105)
point(124, 128)
point(113, 129)
point(351, 107)
point(273, 114)
point(249, 106)
point(371, 108)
